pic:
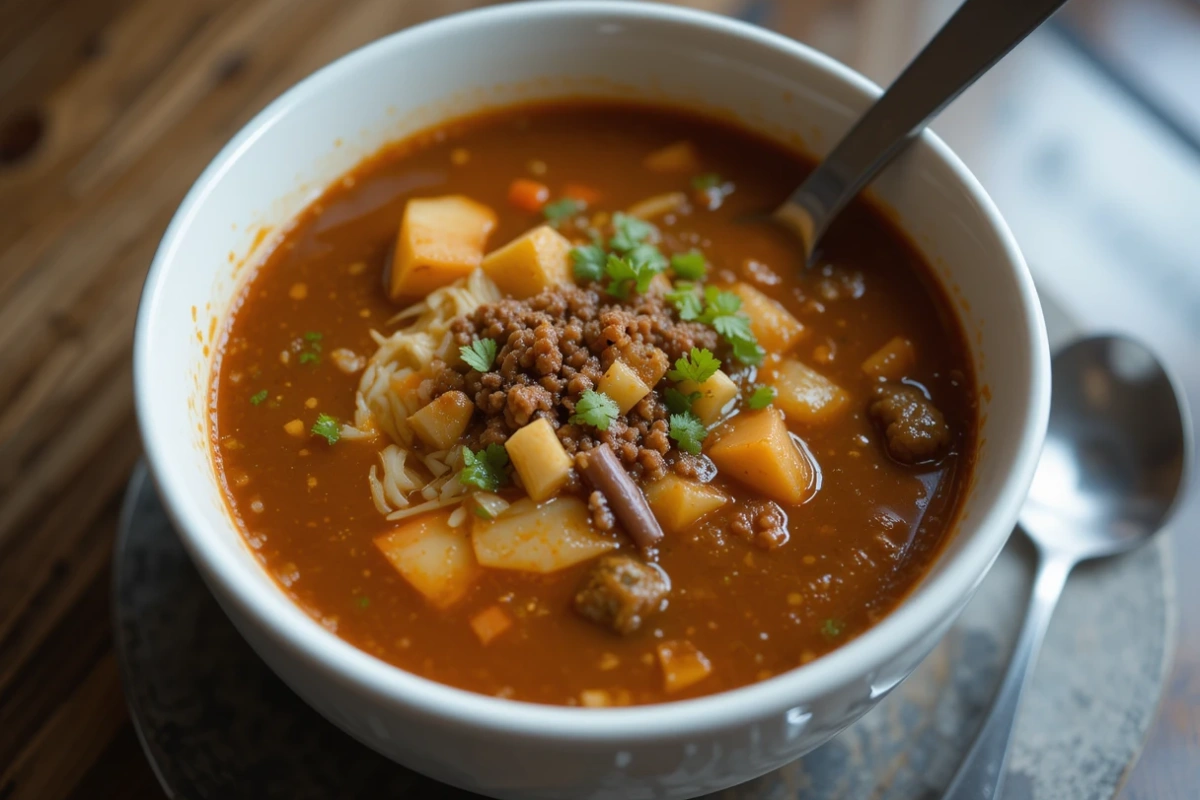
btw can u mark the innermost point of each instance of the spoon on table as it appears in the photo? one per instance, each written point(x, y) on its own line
point(979, 34)
point(1117, 452)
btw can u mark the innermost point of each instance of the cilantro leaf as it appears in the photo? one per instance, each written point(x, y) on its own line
point(733, 326)
point(719, 304)
point(680, 403)
point(762, 397)
point(748, 352)
point(479, 354)
point(629, 232)
point(687, 301)
point(314, 336)
point(709, 180)
point(688, 432)
point(309, 357)
point(832, 628)
point(484, 469)
point(596, 409)
point(327, 428)
point(689, 265)
point(649, 254)
point(722, 311)
point(627, 273)
point(258, 398)
point(561, 210)
point(589, 262)
point(698, 366)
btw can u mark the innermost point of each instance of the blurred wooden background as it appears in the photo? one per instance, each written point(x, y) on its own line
point(109, 109)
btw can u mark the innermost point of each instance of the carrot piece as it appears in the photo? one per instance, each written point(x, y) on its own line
point(682, 665)
point(528, 195)
point(490, 623)
point(584, 194)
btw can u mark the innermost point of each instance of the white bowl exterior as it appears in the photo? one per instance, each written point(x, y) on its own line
point(404, 83)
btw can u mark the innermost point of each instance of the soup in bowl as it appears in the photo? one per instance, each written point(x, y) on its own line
point(519, 442)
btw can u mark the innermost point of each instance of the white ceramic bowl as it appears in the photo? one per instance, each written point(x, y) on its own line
point(323, 127)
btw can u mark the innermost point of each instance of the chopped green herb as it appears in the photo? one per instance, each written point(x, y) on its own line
point(832, 628)
point(627, 273)
point(722, 312)
point(589, 262)
point(313, 336)
point(309, 357)
point(748, 352)
point(479, 354)
point(649, 254)
point(312, 352)
point(258, 398)
point(362, 601)
point(484, 469)
point(697, 366)
point(563, 209)
point(688, 432)
point(719, 304)
point(733, 327)
point(687, 301)
point(762, 397)
point(691, 266)
point(596, 409)
point(629, 232)
point(327, 428)
point(709, 180)
point(680, 403)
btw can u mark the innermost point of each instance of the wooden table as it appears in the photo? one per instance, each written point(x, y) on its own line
point(109, 109)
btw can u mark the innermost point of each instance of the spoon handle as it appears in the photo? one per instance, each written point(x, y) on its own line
point(979, 34)
point(981, 774)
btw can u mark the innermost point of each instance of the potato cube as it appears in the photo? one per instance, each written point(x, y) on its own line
point(806, 395)
point(892, 361)
point(441, 240)
point(545, 538)
point(441, 423)
point(757, 449)
point(434, 558)
point(537, 260)
point(773, 325)
point(682, 665)
point(490, 623)
point(715, 394)
point(623, 385)
point(540, 460)
point(678, 502)
point(678, 157)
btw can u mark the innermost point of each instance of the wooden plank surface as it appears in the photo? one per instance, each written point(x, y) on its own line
point(109, 109)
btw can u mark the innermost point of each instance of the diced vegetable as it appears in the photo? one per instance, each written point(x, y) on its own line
point(715, 394)
point(658, 205)
point(528, 195)
point(534, 261)
point(682, 665)
point(486, 505)
point(295, 428)
point(604, 471)
point(433, 557)
point(677, 157)
point(584, 194)
point(806, 395)
point(892, 361)
point(774, 327)
point(595, 698)
point(678, 502)
point(623, 385)
point(441, 239)
point(490, 623)
point(539, 459)
point(533, 538)
point(756, 448)
point(441, 423)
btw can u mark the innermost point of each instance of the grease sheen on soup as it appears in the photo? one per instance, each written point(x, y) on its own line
point(756, 558)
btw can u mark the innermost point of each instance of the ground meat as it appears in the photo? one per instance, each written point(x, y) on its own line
point(621, 592)
point(915, 430)
point(557, 345)
point(762, 522)
point(602, 515)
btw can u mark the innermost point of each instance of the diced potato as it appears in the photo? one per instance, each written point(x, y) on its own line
point(774, 327)
point(441, 240)
point(490, 623)
point(540, 460)
point(892, 361)
point(545, 538)
point(682, 665)
point(715, 394)
point(595, 698)
point(658, 205)
point(757, 449)
point(537, 260)
point(295, 428)
point(433, 557)
point(678, 502)
point(677, 157)
point(806, 395)
point(623, 385)
point(441, 423)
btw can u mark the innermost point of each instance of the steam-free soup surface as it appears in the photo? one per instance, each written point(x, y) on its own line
point(772, 578)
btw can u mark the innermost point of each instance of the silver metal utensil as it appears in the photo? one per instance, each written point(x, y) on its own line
point(979, 34)
point(1117, 452)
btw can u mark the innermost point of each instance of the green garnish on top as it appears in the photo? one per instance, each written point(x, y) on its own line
point(722, 310)
point(762, 397)
point(562, 209)
point(327, 428)
point(687, 301)
point(697, 366)
point(484, 469)
point(479, 354)
point(709, 180)
point(630, 272)
point(832, 628)
point(258, 397)
point(589, 261)
point(629, 232)
point(311, 354)
point(596, 409)
point(680, 403)
point(688, 432)
point(690, 266)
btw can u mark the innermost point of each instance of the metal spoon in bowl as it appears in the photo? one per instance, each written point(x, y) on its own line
point(1117, 452)
point(979, 34)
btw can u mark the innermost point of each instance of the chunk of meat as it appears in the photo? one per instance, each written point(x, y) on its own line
point(621, 592)
point(915, 430)
point(762, 522)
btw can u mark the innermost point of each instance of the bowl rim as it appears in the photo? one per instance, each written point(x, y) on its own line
point(304, 639)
